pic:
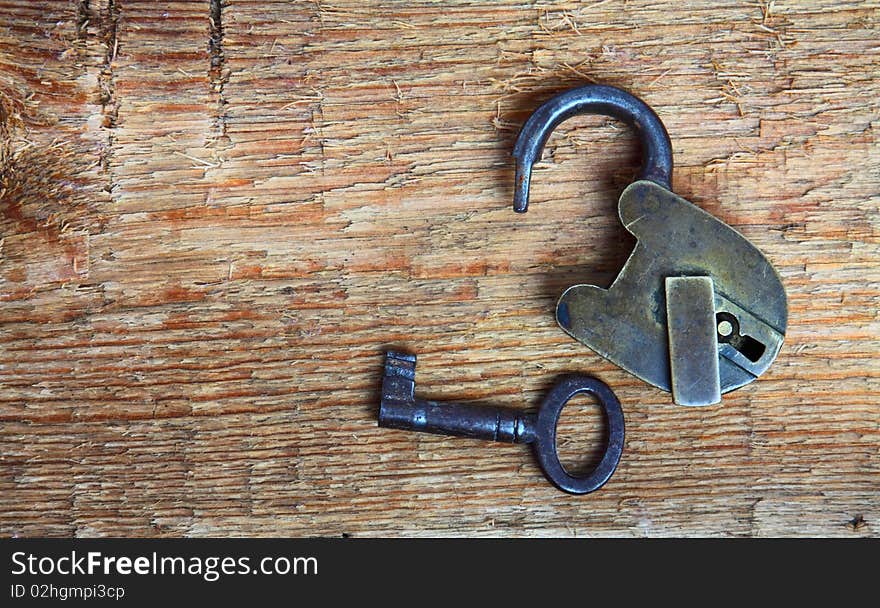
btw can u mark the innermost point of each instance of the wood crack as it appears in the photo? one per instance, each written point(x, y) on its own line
point(82, 20)
point(109, 32)
point(218, 76)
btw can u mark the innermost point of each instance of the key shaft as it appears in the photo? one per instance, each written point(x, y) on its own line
point(459, 419)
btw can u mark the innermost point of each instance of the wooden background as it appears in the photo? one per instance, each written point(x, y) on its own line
point(216, 217)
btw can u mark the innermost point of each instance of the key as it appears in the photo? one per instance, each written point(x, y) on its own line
point(401, 409)
point(693, 340)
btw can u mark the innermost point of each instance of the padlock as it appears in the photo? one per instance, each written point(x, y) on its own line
point(697, 309)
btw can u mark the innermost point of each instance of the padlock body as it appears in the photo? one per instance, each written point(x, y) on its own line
point(627, 323)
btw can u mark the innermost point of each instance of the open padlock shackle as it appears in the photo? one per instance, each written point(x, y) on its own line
point(592, 99)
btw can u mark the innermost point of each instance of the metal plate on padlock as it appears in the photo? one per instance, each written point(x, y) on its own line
point(693, 340)
point(627, 323)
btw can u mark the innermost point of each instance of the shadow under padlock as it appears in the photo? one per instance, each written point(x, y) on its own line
point(697, 309)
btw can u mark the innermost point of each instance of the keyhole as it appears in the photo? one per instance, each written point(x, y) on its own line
point(728, 333)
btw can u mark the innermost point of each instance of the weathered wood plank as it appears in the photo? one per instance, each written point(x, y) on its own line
point(215, 217)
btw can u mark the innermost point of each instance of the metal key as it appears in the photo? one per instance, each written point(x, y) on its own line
point(400, 409)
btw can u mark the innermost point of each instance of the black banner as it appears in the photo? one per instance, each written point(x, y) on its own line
point(245, 570)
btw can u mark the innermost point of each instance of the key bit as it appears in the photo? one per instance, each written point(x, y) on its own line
point(401, 409)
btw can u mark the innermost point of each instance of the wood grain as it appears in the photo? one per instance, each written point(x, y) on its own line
point(215, 218)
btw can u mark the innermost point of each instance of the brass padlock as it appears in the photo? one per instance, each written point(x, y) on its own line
point(697, 309)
